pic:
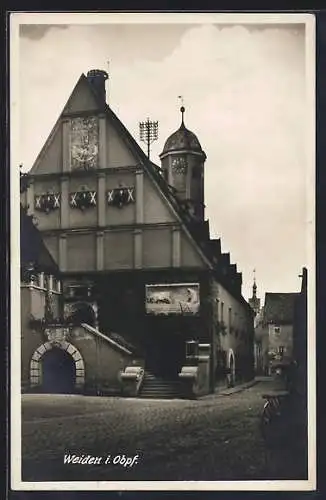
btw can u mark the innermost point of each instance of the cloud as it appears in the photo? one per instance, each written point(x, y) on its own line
point(38, 31)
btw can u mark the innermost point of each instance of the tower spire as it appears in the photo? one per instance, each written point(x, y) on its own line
point(254, 287)
point(254, 301)
point(182, 109)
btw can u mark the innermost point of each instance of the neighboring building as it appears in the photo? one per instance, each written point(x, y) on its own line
point(139, 270)
point(254, 303)
point(274, 331)
point(261, 345)
point(40, 290)
point(300, 335)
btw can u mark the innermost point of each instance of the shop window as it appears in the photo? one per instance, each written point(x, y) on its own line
point(78, 291)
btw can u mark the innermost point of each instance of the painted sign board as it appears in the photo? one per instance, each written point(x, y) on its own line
point(173, 298)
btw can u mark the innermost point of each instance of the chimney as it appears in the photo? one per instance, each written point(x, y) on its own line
point(97, 79)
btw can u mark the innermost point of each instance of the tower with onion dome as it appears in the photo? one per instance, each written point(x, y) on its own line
point(182, 161)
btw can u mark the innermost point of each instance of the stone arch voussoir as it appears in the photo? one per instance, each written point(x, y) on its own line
point(36, 366)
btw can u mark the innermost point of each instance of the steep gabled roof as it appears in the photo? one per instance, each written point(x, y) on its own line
point(154, 172)
point(198, 231)
point(279, 307)
point(32, 248)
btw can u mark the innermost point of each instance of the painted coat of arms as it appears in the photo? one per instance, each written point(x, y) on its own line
point(84, 143)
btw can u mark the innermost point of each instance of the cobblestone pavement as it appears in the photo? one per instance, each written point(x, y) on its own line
point(217, 438)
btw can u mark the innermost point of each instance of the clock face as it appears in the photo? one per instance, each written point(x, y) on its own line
point(179, 166)
point(84, 142)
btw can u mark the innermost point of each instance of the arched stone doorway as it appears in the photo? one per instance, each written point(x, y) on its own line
point(58, 372)
point(57, 367)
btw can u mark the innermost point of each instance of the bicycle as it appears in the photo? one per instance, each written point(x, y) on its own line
point(275, 417)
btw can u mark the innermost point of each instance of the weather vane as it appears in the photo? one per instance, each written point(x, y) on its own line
point(182, 108)
point(148, 133)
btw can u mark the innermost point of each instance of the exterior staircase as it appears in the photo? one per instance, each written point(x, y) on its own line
point(154, 387)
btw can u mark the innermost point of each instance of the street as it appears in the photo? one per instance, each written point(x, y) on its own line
point(215, 438)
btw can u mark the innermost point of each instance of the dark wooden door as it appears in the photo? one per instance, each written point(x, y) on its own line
point(58, 372)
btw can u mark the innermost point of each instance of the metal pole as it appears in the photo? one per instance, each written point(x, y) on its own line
point(148, 133)
point(148, 138)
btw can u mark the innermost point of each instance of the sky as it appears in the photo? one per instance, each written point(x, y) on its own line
point(244, 91)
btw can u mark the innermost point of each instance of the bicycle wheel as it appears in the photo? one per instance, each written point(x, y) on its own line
point(271, 423)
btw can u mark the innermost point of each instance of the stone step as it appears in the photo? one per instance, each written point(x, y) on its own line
point(161, 391)
point(163, 383)
point(159, 395)
point(159, 388)
point(160, 383)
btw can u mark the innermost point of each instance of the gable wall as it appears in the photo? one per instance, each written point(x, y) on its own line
point(189, 255)
point(118, 153)
point(237, 336)
point(155, 207)
point(157, 248)
point(81, 99)
point(51, 159)
point(144, 233)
